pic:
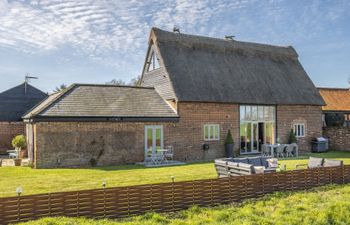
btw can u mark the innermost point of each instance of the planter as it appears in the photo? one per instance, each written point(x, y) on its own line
point(229, 150)
point(17, 162)
point(23, 154)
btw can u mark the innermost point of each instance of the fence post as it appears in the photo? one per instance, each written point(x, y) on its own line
point(151, 197)
point(19, 191)
point(172, 193)
point(50, 205)
point(192, 192)
point(343, 172)
point(229, 187)
point(104, 198)
point(128, 197)
point(78, 204)
point(18, 208)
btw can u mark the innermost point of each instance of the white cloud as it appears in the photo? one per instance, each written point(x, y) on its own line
point(106, 29)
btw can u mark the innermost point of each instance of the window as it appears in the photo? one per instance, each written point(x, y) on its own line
point(299, 130)
point(153, 62)
point(211, 132)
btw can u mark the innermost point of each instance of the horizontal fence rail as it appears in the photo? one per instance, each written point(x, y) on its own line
point(121, 202)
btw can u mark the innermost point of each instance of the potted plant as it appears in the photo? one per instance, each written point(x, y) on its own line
point(292, 138)
point(229, 145)
point(18, 143)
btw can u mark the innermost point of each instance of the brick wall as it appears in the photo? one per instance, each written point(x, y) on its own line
point(339, 138)
point(310, 115)
point(8, 130)
point(75, 144)
point(63, 144)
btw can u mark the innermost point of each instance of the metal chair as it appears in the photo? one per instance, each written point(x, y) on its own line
point(170, 153)
point(280, 150)
point(290, 150)
point(265, 150)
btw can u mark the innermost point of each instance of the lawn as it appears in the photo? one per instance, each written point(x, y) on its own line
point(321, 206)
point(35, 181)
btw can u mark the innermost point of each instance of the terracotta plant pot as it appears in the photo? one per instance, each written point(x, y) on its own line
point(23, 154)
point(17, 162)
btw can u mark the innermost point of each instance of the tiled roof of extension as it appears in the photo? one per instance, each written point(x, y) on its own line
point(103, 101)
point(337, 99)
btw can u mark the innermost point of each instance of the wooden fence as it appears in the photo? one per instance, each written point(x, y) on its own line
point(165, 197)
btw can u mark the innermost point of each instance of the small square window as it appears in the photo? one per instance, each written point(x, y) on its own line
point(211, 132)
point(299, 130)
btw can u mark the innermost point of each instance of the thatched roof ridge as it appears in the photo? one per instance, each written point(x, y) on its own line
point(209, 69)
point(216, 44)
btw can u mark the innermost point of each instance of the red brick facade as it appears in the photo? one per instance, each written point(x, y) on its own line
point(8, 130)
point(339, 138)
point(70, 144)
point(311, 116)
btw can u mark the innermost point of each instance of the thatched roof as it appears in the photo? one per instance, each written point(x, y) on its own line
point(337, 99)
point(216, 70)
point(91, 102)
point(15, 102)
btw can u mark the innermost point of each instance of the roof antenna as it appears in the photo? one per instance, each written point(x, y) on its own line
point(176, 29)
point(349, 81)
point(26, 81)
point(229, 37)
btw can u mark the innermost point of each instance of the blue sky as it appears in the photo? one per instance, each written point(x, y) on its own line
point(94, 41)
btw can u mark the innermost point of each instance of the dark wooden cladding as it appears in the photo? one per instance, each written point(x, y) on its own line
point(121, 202)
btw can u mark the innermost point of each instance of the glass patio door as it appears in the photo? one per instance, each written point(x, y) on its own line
point(257, 126)
point(153, 139)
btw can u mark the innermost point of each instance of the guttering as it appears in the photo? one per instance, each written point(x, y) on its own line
point(101, 119)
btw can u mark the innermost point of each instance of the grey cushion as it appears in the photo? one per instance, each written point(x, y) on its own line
point(220, 162)
point(315, 162)
point(232, 164)
point(240, 160)
point(264, 161)
point(332, 162)
point(256, 161)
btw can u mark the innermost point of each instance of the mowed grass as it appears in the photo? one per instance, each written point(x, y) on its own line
point(36, 181)
point(320, 206)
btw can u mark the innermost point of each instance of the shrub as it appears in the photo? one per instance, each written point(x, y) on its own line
point(19, 142)
point(229, 139)
point(292, 139)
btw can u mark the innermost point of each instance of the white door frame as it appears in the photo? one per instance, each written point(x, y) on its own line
point(154, 138)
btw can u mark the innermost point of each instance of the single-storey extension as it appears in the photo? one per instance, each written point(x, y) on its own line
point(193, 90)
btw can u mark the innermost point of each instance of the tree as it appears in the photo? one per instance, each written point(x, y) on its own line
point(135, 81)
point(18, 143)
point(116, 82)
point(62, 87)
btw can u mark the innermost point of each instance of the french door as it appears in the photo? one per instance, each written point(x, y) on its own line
point(153, 139)
point(252, 137)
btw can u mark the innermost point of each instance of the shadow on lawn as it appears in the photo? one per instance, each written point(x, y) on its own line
point(135, 167)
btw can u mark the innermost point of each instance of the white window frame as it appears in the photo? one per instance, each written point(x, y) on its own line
point(215, 126)
point(299, 129)
point(154, 127)
point(152, 62)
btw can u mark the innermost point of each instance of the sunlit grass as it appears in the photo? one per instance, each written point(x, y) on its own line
point(35, 181)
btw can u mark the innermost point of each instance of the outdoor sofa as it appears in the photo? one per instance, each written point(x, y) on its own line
point(320, 162)
point(243, 166)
